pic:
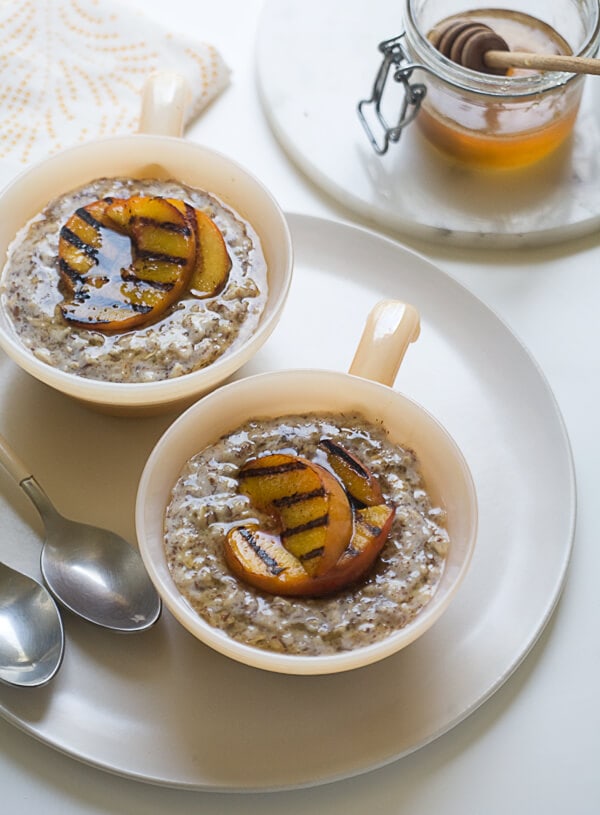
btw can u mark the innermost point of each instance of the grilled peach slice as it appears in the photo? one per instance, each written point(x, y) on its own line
point(80, 243)
point(308, 502)
point(213, 263)
point(262, 560)
point(123, 262)
point(371, 527)
point(360, 483)
point(163, 242)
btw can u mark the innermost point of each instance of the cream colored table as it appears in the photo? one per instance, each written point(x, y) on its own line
point(532, 743)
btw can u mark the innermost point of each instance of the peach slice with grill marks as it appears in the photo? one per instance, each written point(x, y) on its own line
point(371, 528)
point(123, 262)
point(360, 483)
point(80, 243)
point(262, 560)
point(163, 242)
point(213, 264)
point(308, 502)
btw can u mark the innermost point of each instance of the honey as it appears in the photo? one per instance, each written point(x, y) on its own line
point(503, 132)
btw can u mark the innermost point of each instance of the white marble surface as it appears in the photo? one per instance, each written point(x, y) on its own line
point(312, 103)
point(533, 746)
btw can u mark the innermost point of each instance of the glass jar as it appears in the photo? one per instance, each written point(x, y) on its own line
point(497, 121)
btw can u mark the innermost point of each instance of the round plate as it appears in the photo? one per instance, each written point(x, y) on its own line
point(164, 708)
point(315, 64)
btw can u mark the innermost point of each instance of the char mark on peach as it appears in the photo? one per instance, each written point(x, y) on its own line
point(312, 554)
point(323, 520)
point(159, 285)
point(161, 258)
point(271, 564)
point(257, 472)
point(69, 272)
point(168, 226)
point(88, 217)
point(298, 498)
point(370, 529)
point(343, 454)
point(70, 236)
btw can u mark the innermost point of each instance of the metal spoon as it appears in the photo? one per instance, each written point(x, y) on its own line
point(92, 572)
point(32, 640)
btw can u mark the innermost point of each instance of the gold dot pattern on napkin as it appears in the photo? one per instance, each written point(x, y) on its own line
point(73, 70)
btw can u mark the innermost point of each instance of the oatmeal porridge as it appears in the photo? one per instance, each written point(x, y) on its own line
point(191, 334)
point(206, 503)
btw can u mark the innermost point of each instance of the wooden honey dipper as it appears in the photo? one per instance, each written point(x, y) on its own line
point(477, 46)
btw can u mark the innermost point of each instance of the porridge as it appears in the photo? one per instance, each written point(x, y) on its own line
point(207, 503)
point(192, 333)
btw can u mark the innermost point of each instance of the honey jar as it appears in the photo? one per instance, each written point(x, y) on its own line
point(488, 120)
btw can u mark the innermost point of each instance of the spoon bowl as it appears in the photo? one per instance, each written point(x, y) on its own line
point(111, 588)
point(32, 638)
point(92, 572)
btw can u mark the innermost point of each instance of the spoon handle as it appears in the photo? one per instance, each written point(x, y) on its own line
point(12, 463)
point(542, 62)
point(22, 475)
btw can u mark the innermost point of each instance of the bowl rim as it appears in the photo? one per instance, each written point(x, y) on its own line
point(219, 640)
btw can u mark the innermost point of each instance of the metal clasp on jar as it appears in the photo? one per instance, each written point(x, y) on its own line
point(395, 57)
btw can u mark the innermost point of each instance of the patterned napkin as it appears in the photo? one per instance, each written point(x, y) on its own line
point(73, 70)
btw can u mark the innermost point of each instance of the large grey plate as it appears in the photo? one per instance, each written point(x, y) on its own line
point(163, 708)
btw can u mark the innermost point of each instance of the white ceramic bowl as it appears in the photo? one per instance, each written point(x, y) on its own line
point(390, 327)
point(151, 154)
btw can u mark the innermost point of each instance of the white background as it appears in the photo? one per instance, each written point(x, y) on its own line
point(534, 746)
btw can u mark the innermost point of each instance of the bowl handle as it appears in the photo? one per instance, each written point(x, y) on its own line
point(390, 328)
point(12, 463)
point(164, 100)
